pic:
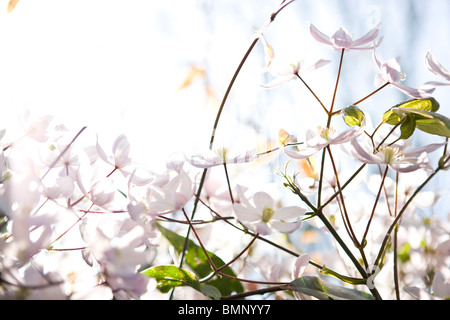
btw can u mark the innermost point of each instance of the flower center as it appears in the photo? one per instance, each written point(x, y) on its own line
point(326, 133)
point(267, 214)
point(402, 76)
point(223, 154)
point(389, 154)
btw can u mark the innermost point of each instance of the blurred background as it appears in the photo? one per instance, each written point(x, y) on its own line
point(157, 70)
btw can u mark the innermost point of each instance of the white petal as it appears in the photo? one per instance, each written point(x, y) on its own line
point(413, 92)
point(435, 67)
point(319, 36)
point(121, 150)
point(368, 37)
point(286, 227)
point(102, 153)
point(263, 200)
point(261, 228)
point(246, 214)
point(342, 39)
point(300, 264)
point(288, 213)
point(301, 154)
point(278, 81)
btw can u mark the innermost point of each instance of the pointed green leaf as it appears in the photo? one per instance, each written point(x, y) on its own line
point(196, 259)
point(408, 127)
point(429, 104)
point(427, 121)
point(313, 286)
point(353, 116)
point(210, 291)
point(168, 277)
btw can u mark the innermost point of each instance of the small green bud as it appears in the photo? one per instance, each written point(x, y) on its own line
point(353, 116)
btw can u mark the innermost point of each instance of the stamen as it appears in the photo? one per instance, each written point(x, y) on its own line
point(267, 214)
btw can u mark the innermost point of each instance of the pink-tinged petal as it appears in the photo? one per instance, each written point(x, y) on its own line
point(240, 191)
point(361, 154)
point(316, 65)
point(286, 227)
point(375, 45)
point(379, 80)
point(206, 159)
point(135, 210)
point(278, 81)
point(300, 265)
point(63, 187)
point(246, 214)
point(413, 92)
point(102, 153)
point(263, 200)
point(437, 83)
point(435, 67)
point(319, 36)
point(392, 70)
point(368, 37)
point(347, 136)
point(416, 152)
point(261, 228)
point(121, 150)
point(406, 167)
point(342, 39)
point(288, 213)
point(377, 61)
point(300, 154)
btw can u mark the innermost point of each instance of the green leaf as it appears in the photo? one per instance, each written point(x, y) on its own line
point(427, 121)
point(168, 277)
point(210, 291)
point(313, 286)
point(353, 116)
point(408, 127)
point(196, 259)
point(429, 104)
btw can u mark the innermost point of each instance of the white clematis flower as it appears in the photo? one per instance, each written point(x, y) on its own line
point(210, 158)
point(397, 156)
point(321, 138)
point(262, 215)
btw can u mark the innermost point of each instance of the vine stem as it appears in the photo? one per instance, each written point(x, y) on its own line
point(335, 88)
point(215, 268)
point(62, 153)
point(274, 14)
point(346, 219)
point(313, 93)
point(375, 204)
point(400, 215)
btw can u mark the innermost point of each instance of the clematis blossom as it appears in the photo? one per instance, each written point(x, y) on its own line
point(294, 72)
point(436, 68)
point(120, 153)
point(343, 40)
point(210, 158)
point(390, 72)
point(162, 196)
point(318, 139)
point(118, 249)
point(397, 156)
point(262, 215)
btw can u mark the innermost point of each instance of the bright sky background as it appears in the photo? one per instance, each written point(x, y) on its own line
point(116, 65)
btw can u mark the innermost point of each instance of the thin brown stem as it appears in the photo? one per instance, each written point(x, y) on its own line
point(371, 94)
point(375, 205)
point(336, 86)
point(313, 93)
point(342, 202)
